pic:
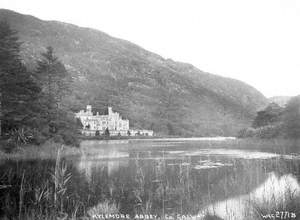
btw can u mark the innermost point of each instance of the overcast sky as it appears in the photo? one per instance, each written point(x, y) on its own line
point(256, 41)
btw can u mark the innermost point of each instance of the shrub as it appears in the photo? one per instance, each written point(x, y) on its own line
point(269, 131)
point(70, 138)
point(9, 146)
point(38, 137)
point(58, 138)
point(246, 132)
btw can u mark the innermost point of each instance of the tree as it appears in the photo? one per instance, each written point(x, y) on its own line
point(106, 132)
point(292, 117)
point(19, 90)
point(55, 81)
point(53, 77)
point(270, 115)
point(31, 103)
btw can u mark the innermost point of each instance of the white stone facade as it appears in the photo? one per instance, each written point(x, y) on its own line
point(93, 124)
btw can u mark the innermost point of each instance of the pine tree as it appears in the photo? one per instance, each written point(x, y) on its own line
point(18, 89)
point(53, 77)
point(55, 82)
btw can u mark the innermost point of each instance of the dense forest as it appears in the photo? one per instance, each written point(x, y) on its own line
point(32, 101)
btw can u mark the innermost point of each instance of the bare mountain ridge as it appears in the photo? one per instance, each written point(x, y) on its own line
point(152, 92)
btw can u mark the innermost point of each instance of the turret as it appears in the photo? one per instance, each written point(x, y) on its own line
point(110, 111)
point(88, 108)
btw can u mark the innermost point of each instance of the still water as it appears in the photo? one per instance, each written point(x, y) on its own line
point(176, 178)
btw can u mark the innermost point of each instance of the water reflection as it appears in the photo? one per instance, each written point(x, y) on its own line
point(275, 190)
point(233, 153)
point(172, 180)
point(163, 178)
point(108, 160)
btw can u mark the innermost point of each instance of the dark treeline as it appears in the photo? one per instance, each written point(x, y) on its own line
point(276, 121)
point(32, 102)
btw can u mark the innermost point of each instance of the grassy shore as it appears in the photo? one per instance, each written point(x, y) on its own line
point(45, 151)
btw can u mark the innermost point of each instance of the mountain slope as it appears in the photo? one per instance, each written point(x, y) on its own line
point(280, 100)
point(152, 92)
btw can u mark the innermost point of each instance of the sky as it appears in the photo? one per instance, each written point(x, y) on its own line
point(256, 41)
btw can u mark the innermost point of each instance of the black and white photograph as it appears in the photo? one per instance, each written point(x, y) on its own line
point(149, 109)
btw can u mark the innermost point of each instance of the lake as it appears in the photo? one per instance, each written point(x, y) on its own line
point(197, 178)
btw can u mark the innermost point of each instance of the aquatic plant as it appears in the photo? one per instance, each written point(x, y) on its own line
point(47, 190)
point(287, 207)
point(105, 207)
point(60, 178)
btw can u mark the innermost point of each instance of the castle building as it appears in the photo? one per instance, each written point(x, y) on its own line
point(112, 122)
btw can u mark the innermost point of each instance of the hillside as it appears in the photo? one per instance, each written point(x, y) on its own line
point(280, 100)
point(152, 92)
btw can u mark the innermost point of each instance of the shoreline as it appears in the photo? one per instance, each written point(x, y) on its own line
point(83, 137)
point(49, 149)
point(140, 137)
point(45, 151)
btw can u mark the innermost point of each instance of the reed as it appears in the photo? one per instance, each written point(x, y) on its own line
point(43, 152)
point(21, 195)
point(152, 188)
point(287, 207)
point(46, 200)
point(105, 207)
point(60, 179)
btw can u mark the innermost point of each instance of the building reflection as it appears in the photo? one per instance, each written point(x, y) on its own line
point(105, 161)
